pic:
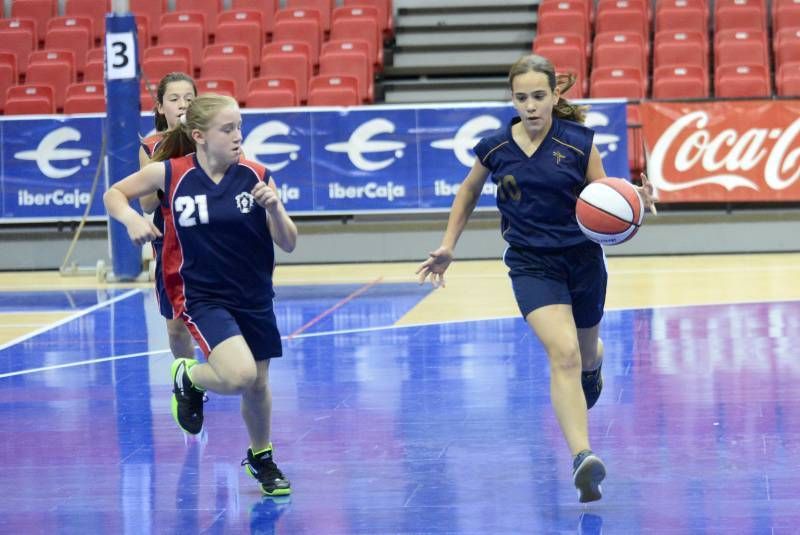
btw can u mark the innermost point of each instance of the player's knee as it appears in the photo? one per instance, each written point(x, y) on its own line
point(565, 358)
point(242, 380)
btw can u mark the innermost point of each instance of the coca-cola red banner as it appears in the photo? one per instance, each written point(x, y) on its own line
point(723, 151)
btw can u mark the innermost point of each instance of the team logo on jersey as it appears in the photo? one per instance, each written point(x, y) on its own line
point(467, 137)
point(49, 150)
point(611, 141)
point(256, 144)
point(361, 143)
point(558, 156)
point(245, 202)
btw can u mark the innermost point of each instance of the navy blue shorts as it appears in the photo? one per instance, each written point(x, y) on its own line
point(164, 306)
point(212, 323)
point(574, 276)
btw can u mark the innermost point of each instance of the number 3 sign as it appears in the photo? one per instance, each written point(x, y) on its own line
point(120, 56)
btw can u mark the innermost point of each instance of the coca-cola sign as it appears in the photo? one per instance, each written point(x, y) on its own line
point(723, 151)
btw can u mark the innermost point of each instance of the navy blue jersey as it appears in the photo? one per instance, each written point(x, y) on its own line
point(150, 144)
point(537, 195)
point(217, 244)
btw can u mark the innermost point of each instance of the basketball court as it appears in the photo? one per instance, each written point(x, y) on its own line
point(399, 409)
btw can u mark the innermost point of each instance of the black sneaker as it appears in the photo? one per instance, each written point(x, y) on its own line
point(587, 473)
point(187, 401)
point(261, 467)
point(592, 383)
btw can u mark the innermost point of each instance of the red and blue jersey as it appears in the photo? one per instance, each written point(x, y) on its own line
point(150, 144)
point(217, 244)
point(536, 195)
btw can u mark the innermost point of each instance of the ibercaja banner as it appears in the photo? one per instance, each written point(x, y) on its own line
point(727, 151)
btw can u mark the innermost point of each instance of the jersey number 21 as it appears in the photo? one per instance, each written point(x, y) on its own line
point(191, 209)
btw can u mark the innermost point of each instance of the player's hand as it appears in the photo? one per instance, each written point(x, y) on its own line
point(142, 230)
point(437, 263)
point(647, 193)
point(265, 196)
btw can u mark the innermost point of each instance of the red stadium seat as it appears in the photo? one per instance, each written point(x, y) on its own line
point(323, 7)
point(351, 64)
point(568, 40)
point(568, 59)
point(787, 51)
point(271, 92)
point(186, 30)
point(52, 67)
point(21, 23)
point(361, 27)
point(303, 30)
point(209, 8)
point(267, 9)
point(741, 81)
point(688, 18)
point(294, 64)
point(152, 9)
point(743, 17)
point(623, 20)
point(680, 82)
point(29, 99)
point(785, 15)
point(333, 91)
point(302, 14)
point(85, 98)
point(94, 9)
point(385, 14)
point(564, 16)
point(617, 82)
point(8, 77)
point(679, 53)
point(788, 80)
point(161, 60)
point(620, 49)
point(220, 86)
point(243, 26)
point(19, 42)
point(231, 62)
point(739, 46)
point(38, 10)
point(76, 38)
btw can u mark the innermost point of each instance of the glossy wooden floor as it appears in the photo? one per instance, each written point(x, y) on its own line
point(401, 410)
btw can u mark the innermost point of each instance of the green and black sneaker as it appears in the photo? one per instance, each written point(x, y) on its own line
point(262, 467)
point(187, 400)
point(592, 384)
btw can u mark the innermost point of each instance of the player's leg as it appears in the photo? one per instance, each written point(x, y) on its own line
point(181, 342)
point(591, 347)
point(555, 328)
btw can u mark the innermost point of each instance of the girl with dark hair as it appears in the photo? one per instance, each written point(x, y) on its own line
point(222, 214)
point(540, 162)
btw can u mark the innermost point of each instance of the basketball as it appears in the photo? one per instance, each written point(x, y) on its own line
point(609, 211)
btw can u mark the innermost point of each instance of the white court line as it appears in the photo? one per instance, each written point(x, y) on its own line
point(367, 330)
point(67, 319)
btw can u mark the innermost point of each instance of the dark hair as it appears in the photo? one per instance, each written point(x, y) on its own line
point(160, 118)
point(563, 109)
point(178, 141)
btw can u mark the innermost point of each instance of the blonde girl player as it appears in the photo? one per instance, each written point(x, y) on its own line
point(174, 93)
point(539, 162)
point(222, 215)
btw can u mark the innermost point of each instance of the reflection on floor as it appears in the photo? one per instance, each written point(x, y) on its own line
point(386, 426)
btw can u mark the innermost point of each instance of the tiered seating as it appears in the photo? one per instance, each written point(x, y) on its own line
point(85, 98)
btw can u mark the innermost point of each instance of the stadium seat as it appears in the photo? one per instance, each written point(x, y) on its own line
point(788, 80)
point(162, 59)
point(85, 98)
point(679, 52)
point(96, 10)
point(29, 99)
point(75, 38)
point(361, 27)
point(323, 7)
point(21, 23)
point(267, 9)
point(674, 82)
point(8, 75)
point(628, 19)
point(743, 17)
point(785, 15)
point(230, 62)
point(303, 30)
point(152, 9)
point(52, 67)
point(385, 14)
point(740, 46)
point(186, 29)
point(209, 8)
point(351, 64)
point(333, 91)
point(359, 46)
point(732, 81)
point(567, 59)
point(620, 49)
point(297, 65)
point(564, 16)
point(20, 42)
point(682, 18)
point(787, 51)
point(38, 10)
point(617, 82)
point(272, 92)
point(569, 40)
point(242, 26)
point(220, 86)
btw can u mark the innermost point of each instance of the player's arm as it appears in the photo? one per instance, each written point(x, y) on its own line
point(464, 204)
point(281, 227)
point(118, 197)
point(595, 170)
point(150, 202)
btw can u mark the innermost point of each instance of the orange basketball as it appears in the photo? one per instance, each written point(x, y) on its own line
point(609, 211)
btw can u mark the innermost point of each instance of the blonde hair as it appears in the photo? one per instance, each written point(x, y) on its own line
point(201, 111)
point(563, 109)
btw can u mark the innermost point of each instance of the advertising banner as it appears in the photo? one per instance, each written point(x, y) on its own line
point(729, 151)
point(325, 160)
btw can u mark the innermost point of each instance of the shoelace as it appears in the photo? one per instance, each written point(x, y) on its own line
point(266, 469)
